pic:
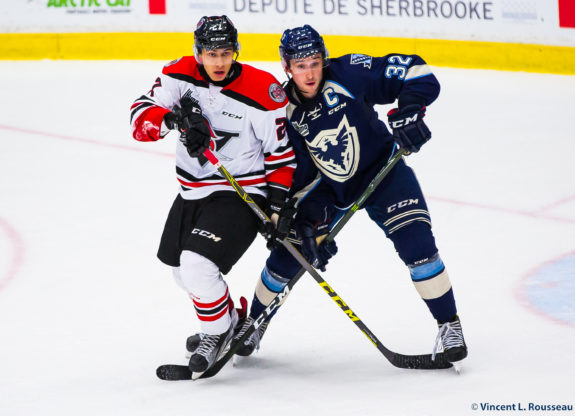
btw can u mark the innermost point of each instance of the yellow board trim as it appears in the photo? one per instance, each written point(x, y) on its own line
point(264, 47)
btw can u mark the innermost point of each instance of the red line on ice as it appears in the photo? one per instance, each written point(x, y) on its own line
point(83, 140)
point(556, 204)
point(17, 255)
point(502, 209)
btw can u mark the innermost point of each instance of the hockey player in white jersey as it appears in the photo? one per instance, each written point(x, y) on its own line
point(239, 112)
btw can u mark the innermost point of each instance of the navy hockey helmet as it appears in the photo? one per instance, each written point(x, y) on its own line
point(213, 32)
point(301, 42)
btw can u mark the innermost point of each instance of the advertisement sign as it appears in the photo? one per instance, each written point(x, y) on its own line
point(547, 22)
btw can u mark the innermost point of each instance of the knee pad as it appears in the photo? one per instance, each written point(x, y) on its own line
point(414, 242)
point(200, 276)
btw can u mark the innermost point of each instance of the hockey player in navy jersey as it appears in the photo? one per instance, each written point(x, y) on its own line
point(335, 132)
point(239, 112)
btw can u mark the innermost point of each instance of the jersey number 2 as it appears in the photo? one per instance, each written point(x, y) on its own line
point(281, 130)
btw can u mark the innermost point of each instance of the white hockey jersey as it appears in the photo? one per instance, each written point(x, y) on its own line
point(247, 117)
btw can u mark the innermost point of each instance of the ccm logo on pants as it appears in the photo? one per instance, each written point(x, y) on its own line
point(206, 234)
point(402, 204)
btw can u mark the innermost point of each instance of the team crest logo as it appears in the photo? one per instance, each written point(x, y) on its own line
point(277, 93)
point(357, 59)
point(336, 152)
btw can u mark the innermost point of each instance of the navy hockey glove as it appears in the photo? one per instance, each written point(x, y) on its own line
point(318, 256)
point(188, 119)
point(409, 129)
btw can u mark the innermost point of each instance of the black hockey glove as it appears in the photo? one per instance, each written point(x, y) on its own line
point(409, 129)
point(318, 256)
point(284, 215)
point(188, 119)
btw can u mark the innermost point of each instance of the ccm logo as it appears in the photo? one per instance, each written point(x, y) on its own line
point(225, 113)
point(206, 234)
point(404, 122)
point(402, 204)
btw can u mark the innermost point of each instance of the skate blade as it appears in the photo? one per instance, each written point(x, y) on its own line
point(196, 376)
point(457, 367)
point(238, 360)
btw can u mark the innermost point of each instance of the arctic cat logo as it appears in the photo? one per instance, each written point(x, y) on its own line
point(336, 151)
point(402, 204)
point(206, 234)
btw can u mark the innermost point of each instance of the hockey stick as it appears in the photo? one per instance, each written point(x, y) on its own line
point(180, 372)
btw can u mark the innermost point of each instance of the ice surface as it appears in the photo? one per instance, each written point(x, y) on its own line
point(87, 312)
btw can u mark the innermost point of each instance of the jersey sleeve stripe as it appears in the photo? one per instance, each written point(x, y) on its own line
point(189, 177)
point(279, 165)
point(417, 71)
point(279, 150)
point(245, 182)
point(278, 186)
point(289, 155)
point(137, 109)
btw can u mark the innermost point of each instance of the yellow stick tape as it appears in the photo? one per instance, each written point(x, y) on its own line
point(264, 47)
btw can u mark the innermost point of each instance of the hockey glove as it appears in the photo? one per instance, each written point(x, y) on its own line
point(283, 218)
point(188, 119)
point(409, 129)
point(318, 256)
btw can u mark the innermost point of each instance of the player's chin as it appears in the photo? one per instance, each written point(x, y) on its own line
point(312, 89)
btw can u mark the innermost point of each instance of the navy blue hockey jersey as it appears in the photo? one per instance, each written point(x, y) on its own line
point(338, 132)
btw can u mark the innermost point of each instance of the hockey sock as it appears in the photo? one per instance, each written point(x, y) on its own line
point(268, 286)
point(209, 292)
point(433, 285)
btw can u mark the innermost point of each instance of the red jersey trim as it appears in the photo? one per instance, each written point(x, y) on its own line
point(273, 158)
point(258, 86)
point(226, 183)
point(282, 176)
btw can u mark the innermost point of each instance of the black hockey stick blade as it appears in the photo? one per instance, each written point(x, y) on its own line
point(420, 362)
point(173, 372)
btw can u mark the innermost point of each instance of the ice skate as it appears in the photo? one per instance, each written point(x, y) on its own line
point(253, 341)
point(450, 340)
point(209, 350)
point(238, 317)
